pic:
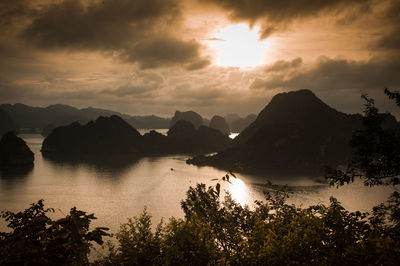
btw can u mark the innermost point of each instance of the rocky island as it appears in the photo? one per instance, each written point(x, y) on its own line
point(113, 136)
point(7, 123)
point(219, 123)
point(14, 152)
point(189, 116)
point(106, 135)
point(296, 133)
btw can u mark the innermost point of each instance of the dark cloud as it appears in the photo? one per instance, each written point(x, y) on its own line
point(12, 12)
point(40, 93)
point(130, 90)
point(141, 85)
point(141, 31)
point(276, 15)
point(109, 24)
point(204, 95)
point(283, 65)
point(390, 39)
point(161, 51)
point(199, 64)
point(342, 74)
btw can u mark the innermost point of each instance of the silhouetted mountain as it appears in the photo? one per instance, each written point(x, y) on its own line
point(150, 121)
point(230, 117)
point(14, 151)
point(184, 138)
point(156, 143)
point(210, 140)
point(6, 123)
point(181, 130)
point(30, 117)
point(219, 123)
point(206, 122)
point(113, 136)
point(189, 116)
point(107, 135)
point(62, 109)
point(59, 115)
point(63, 120)
point(239, 124)
point(295, 133)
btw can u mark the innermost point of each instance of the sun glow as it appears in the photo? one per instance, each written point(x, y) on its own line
point(238, 45)
point(239, 191)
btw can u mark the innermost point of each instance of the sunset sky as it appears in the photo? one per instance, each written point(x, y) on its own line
point(211, 56)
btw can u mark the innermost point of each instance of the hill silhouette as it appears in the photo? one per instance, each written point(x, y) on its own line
point(106, 135)
point(183, 137)
point(189, 116)
point(295, 133)
point(14, 151)
point(239, 124)
point(7, 123)
point(219, 123)
point(113, 136)
point(52, 116)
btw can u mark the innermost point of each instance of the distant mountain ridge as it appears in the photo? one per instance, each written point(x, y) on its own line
point(112, 136)
point(295, 133)
point(6, 123)
point(239, 124)
point(45, 119)
point(56, 115)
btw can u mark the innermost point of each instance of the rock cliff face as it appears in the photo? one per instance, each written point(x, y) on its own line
point(189, 116)
point(295, 133)
point(6, 123)
point(107, 135)
point(14, 151)
point(218, 122)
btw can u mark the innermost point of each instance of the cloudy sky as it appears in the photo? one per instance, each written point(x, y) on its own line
point(210, 56)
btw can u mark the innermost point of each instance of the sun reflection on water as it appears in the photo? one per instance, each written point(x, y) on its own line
point(239, 191)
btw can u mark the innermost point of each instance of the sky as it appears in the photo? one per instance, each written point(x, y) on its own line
point(212, 56)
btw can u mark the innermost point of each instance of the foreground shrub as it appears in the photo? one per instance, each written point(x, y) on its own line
point(273, 233)
point(36, 239)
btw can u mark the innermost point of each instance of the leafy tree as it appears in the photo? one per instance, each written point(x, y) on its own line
point(138, 245)
point(36, 239)
point(376, 147)
point(222, 232)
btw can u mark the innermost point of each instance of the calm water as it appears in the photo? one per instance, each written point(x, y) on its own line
point(115, 190)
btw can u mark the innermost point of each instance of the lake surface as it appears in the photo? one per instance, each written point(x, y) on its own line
point(114, 189)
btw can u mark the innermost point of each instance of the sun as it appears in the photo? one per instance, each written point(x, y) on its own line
point(239, 46)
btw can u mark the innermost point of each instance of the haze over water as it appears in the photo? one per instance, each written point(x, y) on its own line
point(115, 190)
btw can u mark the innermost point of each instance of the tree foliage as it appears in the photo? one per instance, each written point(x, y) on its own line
point(213, 231)
point(222, 232)
point(36, 239)
point(376, 149)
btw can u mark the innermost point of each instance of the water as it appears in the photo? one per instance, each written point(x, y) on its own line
point(114, 190)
